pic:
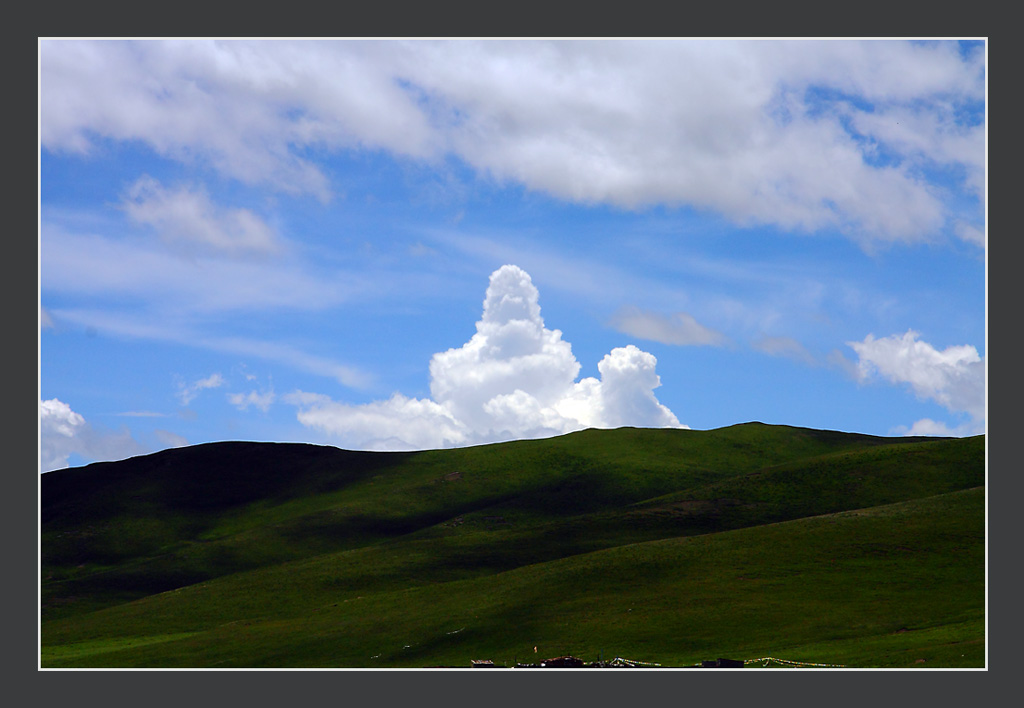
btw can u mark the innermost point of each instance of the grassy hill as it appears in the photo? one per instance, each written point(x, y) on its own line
point(664, 546)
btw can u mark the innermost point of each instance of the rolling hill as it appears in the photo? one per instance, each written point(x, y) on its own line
point(660, 546)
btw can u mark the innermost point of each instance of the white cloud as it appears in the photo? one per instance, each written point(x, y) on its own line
point(922, 135)
point(58, 418)
point(187, 218)
point(511, 349)
point(398, 423)
point(45, 321)
point(970, 233)
point(771, 132)
point(514, 378)
point(626, 391)
point(63, 432)
point(680, 329)
point(953, 377)
point(188, 392)
point(262, 401)
point(58, 428)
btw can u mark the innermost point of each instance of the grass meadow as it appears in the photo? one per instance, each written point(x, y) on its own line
point(661, 546)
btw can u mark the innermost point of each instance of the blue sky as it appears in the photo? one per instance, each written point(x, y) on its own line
point(421, 244)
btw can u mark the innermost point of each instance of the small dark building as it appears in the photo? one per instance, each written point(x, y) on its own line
point(722, 664)
point(562, 662)
point(482, 663)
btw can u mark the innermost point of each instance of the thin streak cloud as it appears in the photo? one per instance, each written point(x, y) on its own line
point(679, 329)
point(135, 327)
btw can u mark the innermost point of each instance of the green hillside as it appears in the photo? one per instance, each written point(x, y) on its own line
point(664, 546)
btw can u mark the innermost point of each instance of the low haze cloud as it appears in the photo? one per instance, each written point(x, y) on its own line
point(169, 439)
point(515, 378)
point(786, 347)
point(929, 427)
point(63, 432)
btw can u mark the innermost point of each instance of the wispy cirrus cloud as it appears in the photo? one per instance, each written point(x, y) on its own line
point(135, 326)
point(136, 289)
point(45, 321)
point(101, 266)
point(188, 392)
point(185, 217)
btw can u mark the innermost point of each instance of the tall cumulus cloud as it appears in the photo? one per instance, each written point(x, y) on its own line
point(513, 379)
